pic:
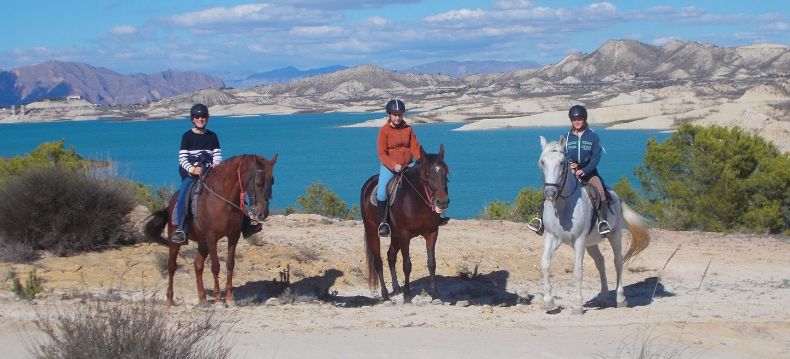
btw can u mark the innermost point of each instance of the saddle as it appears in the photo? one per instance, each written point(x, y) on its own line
point(393, 185)
point(596, 200)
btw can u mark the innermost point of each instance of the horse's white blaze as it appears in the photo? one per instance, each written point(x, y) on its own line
point(567, 218)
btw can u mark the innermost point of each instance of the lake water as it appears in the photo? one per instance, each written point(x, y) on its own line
point(484, 165)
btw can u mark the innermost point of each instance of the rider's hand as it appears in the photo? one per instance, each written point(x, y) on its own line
point(397, 167)
point(197, 170)
point(573, 165)
point(580, 173)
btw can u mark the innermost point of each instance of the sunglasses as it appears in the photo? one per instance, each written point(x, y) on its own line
point(577, 119)
point(199, 116)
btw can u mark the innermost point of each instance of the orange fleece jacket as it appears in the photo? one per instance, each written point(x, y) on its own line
point(397, 145)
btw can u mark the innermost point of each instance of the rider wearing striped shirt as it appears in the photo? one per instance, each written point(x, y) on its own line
point(198, 144)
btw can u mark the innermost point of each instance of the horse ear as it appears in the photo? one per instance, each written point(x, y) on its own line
point(562, 141)
point(274, 159)
point(441, 151)
point(542, 142)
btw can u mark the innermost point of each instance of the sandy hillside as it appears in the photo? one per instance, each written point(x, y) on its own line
point(735, 310)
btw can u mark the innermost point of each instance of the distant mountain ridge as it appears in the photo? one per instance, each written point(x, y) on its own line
point(284, 74)
point(460, 69)
point(56, 79)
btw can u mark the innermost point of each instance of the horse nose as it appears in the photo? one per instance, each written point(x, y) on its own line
point(262, 214)
point(443, 204)
point(549, 193)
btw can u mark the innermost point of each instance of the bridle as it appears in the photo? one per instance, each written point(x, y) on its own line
point(242, 206)
point(563, 179)
point(426, 189)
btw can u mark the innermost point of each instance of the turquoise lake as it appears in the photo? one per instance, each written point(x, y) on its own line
point(484, 165)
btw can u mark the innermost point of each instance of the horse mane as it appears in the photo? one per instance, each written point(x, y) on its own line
point(227, 168)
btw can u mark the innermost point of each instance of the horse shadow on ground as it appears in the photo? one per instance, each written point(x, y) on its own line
point(638, 294)
point(477, 289)
point(310, 289)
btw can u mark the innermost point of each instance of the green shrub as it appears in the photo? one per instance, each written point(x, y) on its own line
point(716, 179)
point(319, 199)
point(32, 286)
point(65, 211)
point(152, 199)
point(129, 330)
point(526, 207)
point(628, 194)
point(46, 155)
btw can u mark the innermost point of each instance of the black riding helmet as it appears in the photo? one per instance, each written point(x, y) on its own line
point(395, 106)
point(198, 109)
point(578, 111)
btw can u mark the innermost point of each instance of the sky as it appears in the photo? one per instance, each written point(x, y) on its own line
point(239, 37)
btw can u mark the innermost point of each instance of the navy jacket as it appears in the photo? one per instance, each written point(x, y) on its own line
point(584, 150)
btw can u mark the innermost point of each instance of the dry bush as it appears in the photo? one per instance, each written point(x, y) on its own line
point(65, 211)
point(128, 330)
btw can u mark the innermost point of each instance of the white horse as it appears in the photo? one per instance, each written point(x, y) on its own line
point(567, 218)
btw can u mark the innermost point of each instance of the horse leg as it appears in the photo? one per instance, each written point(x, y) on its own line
point(200, 263)
point(392, 259)
point(406, 268)
point(597, 257)
point(430, 246)
point(212, 251)
point(171, 271)
point(373, 243)
point(578, 273)
point(615, 239)
point(230, 264)
point(550, 245)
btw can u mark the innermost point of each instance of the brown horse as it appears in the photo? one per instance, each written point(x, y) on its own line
point(421, 197)
point(220, 212)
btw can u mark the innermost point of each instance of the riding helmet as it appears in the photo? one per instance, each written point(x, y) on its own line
point(198, 109)
point(578, 111)
point(395, 106)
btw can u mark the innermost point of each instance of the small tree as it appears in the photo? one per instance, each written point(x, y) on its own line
point(319, 199)
point(716, 179)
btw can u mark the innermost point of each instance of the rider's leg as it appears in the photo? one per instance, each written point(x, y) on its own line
point(536, 224)
point(385, 175)
point(179, 219)
point(603, 207)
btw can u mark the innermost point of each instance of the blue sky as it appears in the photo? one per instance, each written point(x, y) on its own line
point(241, 37)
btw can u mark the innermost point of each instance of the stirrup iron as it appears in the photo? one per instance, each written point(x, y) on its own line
point(604, 228)
point(535, 224)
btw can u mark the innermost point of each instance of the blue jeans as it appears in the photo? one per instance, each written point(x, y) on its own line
point(182, 195)
point(385, 175)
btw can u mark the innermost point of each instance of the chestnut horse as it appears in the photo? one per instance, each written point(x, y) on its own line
point(220, 210)
point(420, 199)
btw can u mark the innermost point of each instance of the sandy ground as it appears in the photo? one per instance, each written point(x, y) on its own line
point(734, 310)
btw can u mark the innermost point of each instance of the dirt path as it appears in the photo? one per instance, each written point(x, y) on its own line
point(734, 310)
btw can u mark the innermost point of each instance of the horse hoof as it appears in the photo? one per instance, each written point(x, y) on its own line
point(578, 311)
point(230, 304)
point(623, 304)
point(548, 306)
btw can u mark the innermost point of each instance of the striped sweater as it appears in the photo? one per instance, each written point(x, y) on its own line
point(192, 145)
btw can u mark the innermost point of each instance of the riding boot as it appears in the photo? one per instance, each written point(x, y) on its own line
point(443, 220)
point(536, 224)
point(603, 225)
point(384, 227)
point(248, 228)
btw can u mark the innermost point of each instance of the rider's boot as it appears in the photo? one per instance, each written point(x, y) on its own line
point(250, 227)
point(443, 220)
point(603, 225)
point(179, 236)
point(381, 210)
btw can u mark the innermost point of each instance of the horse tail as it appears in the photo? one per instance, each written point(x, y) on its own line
point(637, 225)
point(153, 228)
point(373, 278)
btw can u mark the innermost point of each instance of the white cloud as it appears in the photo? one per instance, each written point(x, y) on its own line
point(379, 21)
point(778, 26)
point(661, 41)
point(254, 14)
point(123, 30)
point(457, 15)
point(314, 31)
point(601, 9)
point(512, 4)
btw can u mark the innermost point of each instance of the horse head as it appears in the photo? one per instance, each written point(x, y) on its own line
point(553, 165)
point(258, 187)
point(433, 175)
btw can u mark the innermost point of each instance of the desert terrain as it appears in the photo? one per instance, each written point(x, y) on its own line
point(690, 294)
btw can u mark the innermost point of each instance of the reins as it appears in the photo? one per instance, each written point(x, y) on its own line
point(242, 203)
point(425, 188)
point(563, 180)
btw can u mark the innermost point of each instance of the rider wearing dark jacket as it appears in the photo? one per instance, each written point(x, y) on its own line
point(582, 152)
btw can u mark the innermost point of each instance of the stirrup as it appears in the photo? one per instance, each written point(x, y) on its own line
point(179, 236)
point(536, 224)
point(603, 227)
point(384, 229)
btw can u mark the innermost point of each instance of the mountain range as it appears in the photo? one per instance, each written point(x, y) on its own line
point(56, 79)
